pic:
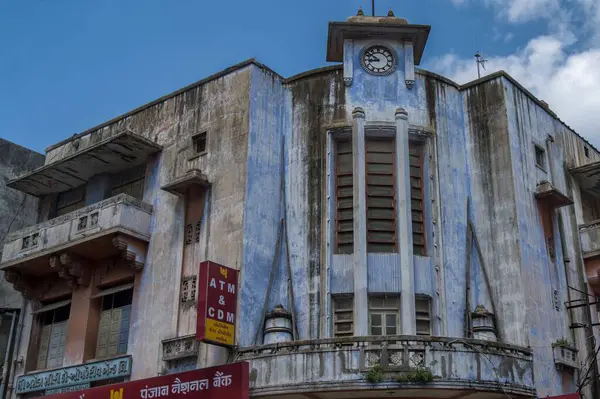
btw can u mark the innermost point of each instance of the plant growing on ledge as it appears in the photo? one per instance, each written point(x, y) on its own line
point(420, 374)
point(374, 375)
point(561, 343)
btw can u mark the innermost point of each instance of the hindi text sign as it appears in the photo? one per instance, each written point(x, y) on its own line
point(217, 304)
point(230, 381)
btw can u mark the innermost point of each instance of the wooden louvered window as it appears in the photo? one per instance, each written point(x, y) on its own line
point(423, 314)
point(53, 337)
point(417, 199)
point(344, 198)
point(381, 198)
point(113, 331)
point(343, 316)
point(130, 182)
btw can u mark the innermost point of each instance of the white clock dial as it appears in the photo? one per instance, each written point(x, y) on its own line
point(378, 60)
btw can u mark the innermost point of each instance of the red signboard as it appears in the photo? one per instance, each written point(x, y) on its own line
point(217, 304)
point(229, 381)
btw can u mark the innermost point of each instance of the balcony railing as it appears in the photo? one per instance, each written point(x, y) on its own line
point(342, 364)
point(589, 235)
point(119, 214)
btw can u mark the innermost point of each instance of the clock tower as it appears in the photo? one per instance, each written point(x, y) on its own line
point(379, 56)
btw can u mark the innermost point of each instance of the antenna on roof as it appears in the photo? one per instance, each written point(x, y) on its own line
point(373, 7)
point(480, 61)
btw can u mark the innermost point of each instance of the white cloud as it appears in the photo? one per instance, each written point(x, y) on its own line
point(567, 79)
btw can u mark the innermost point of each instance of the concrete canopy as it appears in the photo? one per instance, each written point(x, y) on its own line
point(588, 177)
point(116, 153)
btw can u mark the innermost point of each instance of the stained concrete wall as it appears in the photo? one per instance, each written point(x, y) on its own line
point(220, 107)
point(296, 113)
point(17, 210)
point(479, 147)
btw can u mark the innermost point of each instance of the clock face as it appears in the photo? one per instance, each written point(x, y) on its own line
point(378, 60)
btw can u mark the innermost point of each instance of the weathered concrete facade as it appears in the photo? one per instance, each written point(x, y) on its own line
point(407, 226)
point(17, 210)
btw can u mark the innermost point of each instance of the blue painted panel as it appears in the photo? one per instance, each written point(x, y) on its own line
point(384, 273)
point(342, 275)
point(424, 279)
point(543, 324)
point(262, 203)
point(453, 175)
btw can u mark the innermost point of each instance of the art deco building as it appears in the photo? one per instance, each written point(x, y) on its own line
point(397, 234)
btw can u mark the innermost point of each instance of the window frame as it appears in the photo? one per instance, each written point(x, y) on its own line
point(196, 139)
point(384, 311)
point(541, 151)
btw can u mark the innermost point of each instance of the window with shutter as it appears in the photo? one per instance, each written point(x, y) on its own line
point(130, 182)
point(69, 201)
point(344, 198)
point(384, 315)
point(53, 337)
point(381, 198)
point(43, 348)
point(423, 315)
point(113, 331)
point(417, 199)
point(343, 316)
point(103, 333)
point(56, 347)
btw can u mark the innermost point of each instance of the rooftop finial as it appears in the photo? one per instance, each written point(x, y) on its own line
point(390, 13)
point(360, 12)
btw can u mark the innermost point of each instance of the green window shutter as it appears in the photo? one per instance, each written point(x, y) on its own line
point(43, 349)
point(115, 325)
point(124, 329)
point(103, 333)
point(56, 348)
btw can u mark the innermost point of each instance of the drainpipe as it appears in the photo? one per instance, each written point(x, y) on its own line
point(8, 352)
point(566, 262)
point(13, 363)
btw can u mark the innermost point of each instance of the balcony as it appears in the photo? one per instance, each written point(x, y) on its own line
point(339, 368)
point(117, 225)
point(589, 235)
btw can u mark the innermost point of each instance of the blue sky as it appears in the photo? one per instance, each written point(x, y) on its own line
point(68, 65)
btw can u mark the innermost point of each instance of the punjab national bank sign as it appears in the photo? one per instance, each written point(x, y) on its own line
point(229, 381)
point(217, 304)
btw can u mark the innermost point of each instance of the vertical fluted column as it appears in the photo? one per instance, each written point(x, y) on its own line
point(404, 223)
point(361, 314)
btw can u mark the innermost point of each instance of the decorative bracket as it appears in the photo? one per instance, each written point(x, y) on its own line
point(19, 283)
point(70, 267)
point(132, 252)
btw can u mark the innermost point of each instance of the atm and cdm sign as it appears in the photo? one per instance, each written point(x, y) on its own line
point(217, 304)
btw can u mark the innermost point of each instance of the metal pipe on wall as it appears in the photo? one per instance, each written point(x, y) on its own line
point(7, 355)
point(19, 333)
